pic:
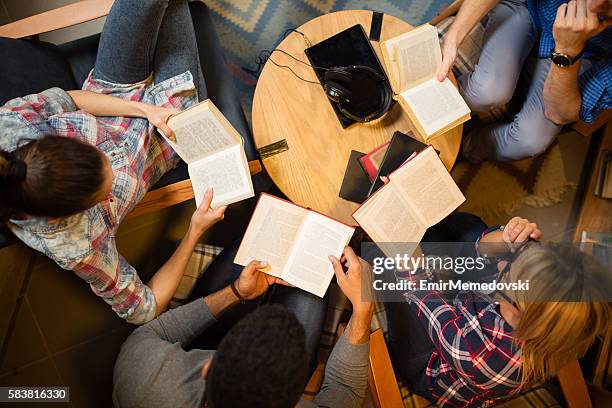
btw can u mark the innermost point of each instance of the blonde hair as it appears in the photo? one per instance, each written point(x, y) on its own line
point(564, 310)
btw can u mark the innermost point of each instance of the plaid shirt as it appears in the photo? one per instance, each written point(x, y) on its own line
point(596, 82)
point(85, 243)
point(475, 362)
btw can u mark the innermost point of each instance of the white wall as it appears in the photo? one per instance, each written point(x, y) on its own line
point(12, 10)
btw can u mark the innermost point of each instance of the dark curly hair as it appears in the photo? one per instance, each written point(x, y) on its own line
point(261, 362)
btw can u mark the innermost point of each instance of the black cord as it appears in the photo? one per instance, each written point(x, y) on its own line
point(266, 55)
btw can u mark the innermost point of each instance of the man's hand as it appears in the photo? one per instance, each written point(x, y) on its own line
point(351, 280)
point(574, 25)
point(205, 217)
point(519, 230)
point(158, 116)
point(253, 283)
point(449, 55)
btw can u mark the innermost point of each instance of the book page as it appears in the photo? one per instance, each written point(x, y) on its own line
point(435, 104)
point(427, 186)
point(417, 56)
point(227, 172)
point(271, 233)
point(199, 132)
point(387, 217)
point(308, 266)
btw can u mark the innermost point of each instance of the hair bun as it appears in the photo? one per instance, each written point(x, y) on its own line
point(15, 171)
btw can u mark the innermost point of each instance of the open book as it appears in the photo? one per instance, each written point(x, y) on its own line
point(295, 242)
point(214, 154)
point(412, 60)
point(419, 194)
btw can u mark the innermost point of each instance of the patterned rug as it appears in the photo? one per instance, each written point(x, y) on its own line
point(246, 27)
point(492, 189)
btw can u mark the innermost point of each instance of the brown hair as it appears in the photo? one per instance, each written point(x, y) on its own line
point(50, 177)
point(565, 310)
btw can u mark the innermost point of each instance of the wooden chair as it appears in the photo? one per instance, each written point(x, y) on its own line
point(81, 12)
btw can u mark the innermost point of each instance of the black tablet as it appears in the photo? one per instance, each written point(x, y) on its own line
point(348, 47)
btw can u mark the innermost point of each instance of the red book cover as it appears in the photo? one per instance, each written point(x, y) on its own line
point(371, 161)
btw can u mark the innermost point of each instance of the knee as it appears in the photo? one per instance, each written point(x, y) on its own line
point(488, 92)
point(531, 141)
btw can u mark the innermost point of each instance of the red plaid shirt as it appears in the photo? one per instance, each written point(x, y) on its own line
point(85, 243)
point(475, 362)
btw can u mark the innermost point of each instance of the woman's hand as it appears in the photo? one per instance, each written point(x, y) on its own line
point(205, 217)
point(385, 179)
point(158, 116)
point(252, 283)
point(449, 55)
point(519, 230)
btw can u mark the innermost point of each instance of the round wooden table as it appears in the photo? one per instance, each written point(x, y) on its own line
point(310, 173)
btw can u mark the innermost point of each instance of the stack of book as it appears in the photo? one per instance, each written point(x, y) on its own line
point(603, 186)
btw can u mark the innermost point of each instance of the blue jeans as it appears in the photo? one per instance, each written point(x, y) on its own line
point(508, 40)
point(309, 309)
point(410, 346)
point(141, 37)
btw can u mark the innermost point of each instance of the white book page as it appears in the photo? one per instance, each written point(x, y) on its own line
point(308, 266)
point(271, 234)
point(387, 217)
point(427, 186)
point(417, 54)
point(198, 133)
point(435, 104)
point(227, 172)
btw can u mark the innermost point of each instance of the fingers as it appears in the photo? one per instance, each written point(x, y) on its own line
point(207, 199)
point(537, 234)
point(283, 282)
point(526, 232)
point(561, 11)
point(351, 258)
point(384, 179)
point(570, 14)
point(340, 275)
point(444, 68)
point(220, 211)
point(167, 132)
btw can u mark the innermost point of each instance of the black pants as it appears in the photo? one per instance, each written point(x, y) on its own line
point(309, 309)
point(409, 343)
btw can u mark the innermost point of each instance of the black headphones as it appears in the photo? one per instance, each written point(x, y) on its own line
point(360, 92)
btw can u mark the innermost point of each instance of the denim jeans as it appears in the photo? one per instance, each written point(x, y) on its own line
point(409, 343)
point(508, 40)
point(141, 37)
point(309, 309)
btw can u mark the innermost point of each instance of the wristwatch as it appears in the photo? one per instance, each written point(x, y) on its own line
point(563, 60)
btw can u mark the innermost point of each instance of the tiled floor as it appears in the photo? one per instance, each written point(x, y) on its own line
point(63, 335)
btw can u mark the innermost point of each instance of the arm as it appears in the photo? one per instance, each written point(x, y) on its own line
point(573, 26)
point(470, 13)
point(166, 280)
point(346, 374)
point(105, 105)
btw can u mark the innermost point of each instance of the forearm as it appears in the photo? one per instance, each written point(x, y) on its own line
point(106, 105)
point(562, 100)
point(358, 328)
point(493, 244)
point(166, 280)
point(470, 13)
point(221, 300)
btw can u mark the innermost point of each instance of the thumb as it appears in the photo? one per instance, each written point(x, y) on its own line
point(253, 268)
point(207, 199)
point(444, 68)
point(340, 275)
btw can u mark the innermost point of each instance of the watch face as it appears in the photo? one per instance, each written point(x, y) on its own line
point(561, 60)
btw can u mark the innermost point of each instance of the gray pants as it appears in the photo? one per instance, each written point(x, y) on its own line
point(509, 37)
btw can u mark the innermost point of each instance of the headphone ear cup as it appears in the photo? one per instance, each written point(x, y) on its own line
point(336, 92)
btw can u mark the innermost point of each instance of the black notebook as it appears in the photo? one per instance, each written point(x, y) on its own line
point(348, 47)
point(356, 186)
